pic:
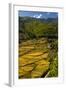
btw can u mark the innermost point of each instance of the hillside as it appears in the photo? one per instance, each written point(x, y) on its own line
point(30, 28)
point(38, 48)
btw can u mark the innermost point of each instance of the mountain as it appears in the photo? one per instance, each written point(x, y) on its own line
point(38, 19)
point(30, 28)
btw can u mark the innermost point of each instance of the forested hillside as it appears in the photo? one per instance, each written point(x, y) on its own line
point(30, 28)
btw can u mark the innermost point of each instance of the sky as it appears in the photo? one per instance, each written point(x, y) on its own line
point(38, 14)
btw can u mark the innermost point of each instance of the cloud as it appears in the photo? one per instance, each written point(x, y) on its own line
point(37, 16)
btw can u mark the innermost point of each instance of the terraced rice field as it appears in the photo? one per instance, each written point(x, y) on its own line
point(33, 59)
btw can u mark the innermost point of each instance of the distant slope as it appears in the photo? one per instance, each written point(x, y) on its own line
point(30, 28)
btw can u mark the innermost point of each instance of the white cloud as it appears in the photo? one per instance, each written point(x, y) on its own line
point(34, 16)
point(37, 16)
